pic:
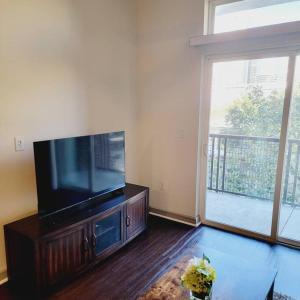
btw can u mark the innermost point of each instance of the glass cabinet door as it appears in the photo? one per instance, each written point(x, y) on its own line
point(107, 231)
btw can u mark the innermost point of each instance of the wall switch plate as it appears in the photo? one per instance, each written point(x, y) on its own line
point(19, 143)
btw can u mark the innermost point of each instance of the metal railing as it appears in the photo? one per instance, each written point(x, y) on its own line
point(246, 165)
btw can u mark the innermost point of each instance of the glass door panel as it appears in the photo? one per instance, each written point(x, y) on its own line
point(289, 224)
point(107, 232)
point(247, 98)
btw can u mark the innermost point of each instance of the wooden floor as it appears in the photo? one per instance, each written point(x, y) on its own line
point(133, 269)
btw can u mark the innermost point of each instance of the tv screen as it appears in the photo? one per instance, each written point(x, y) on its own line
point(73, 170)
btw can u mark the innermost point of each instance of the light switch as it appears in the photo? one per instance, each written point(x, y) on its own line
point(19, 143)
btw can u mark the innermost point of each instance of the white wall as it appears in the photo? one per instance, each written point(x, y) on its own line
point(108, 62)
point(67, 67)
point(71, 67)
point(168, 94)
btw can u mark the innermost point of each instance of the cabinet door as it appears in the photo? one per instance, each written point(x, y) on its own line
point(64, 254)
point(107, 232)
point(136, 215)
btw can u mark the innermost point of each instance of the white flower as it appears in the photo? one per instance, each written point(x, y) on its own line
point(195, 261)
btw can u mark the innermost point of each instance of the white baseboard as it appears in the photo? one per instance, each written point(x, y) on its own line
point(196, 224)
point(3, 277)
point(3, 280)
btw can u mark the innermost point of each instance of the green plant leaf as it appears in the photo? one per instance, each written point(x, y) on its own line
point(206, 258)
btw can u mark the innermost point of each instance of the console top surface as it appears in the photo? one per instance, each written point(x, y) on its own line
point(35, 227)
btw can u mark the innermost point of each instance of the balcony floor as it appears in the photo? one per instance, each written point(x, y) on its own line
point(251, 214)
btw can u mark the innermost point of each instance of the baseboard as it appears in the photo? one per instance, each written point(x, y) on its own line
point(3, 277)
point(175, 217)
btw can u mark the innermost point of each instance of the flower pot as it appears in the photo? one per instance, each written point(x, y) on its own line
point(200, 296)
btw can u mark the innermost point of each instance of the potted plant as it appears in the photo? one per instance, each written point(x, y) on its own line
point(199, 277)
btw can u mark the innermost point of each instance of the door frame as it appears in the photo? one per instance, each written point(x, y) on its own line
point(203, 138)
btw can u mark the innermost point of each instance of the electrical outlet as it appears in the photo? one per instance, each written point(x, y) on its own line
point(19, 143)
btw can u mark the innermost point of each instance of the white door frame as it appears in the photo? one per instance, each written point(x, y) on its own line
point(204, 118)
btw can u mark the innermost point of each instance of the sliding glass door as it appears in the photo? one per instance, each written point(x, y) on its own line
point(289, 225)
point(253, 142)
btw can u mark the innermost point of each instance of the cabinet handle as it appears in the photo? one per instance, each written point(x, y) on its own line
point(94, 240)
point(85, 244)
point(127, 221)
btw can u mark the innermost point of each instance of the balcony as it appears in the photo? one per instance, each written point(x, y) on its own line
point(241, 181)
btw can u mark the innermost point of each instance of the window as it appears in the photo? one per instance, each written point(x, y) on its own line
point(249, 150)
point(231, 15)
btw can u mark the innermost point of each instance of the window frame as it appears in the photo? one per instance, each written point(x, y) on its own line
point(207, 61)
point(212, 4)
point(260, 42)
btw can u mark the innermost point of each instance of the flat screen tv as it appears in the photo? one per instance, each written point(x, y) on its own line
point(73, 171)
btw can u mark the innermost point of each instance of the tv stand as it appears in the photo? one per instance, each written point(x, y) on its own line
point(50, 220)
point(43, 255)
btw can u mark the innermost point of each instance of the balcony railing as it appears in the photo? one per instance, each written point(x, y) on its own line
point(246, 165)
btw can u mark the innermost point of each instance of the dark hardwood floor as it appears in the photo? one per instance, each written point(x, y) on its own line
point(131, 270)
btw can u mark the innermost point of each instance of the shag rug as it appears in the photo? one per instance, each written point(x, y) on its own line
point(168, 287)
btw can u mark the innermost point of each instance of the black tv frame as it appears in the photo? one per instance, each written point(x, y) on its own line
point(57, 215)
